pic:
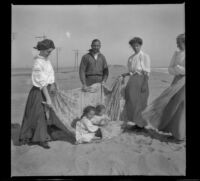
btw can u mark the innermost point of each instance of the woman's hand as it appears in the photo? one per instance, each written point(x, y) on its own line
point(103, 82)
point(180, 69)
point(46, 109)
point(53, 88)
point(49, 103)
point(144, 85)
point(48, 99)
point(124, 75)
point(85, 88)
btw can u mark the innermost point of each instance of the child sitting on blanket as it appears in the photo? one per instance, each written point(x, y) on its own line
point(100, 119)
point(86, 131)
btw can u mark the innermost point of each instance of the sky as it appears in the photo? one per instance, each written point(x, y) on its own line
point(73, 27)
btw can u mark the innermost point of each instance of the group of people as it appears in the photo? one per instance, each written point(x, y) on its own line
point(94, 69)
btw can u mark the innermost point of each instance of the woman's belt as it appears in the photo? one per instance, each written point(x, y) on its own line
point(138, 73)
point(48, 86)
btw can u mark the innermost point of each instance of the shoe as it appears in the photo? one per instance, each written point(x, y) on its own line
point(137, 128)
point(77, 142)
point(44, 145)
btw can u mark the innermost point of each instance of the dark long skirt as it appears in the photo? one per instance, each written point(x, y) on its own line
point(136, 97)
point(34, 124)
point(173, 117)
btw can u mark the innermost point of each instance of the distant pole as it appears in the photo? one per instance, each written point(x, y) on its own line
point(76, 60)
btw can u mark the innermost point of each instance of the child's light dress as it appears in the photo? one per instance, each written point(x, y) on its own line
point(85, 130)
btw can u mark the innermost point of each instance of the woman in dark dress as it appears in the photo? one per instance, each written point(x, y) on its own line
point(34, 124)
point(137, 90)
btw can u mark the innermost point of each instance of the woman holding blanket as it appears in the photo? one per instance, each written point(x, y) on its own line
point(34, 124)
point(167, 112)
point(137, 90)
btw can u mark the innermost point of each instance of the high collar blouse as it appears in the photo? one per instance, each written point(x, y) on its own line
point(177, 64)
point(138, 63)
point(42, 72)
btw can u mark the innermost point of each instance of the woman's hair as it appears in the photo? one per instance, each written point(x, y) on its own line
point(136, 40)
point(181, 38)
point(99, 108)
point(87, 109)
point(45, 45)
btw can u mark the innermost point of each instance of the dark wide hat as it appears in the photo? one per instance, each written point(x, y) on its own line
point(45, 45)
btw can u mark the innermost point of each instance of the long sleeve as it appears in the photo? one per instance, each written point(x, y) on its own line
point(180, 69)
point(39, 78)
point(176, 66)
point(171, 69)
point(82, 69)
point(139, 62)
point(89, 126)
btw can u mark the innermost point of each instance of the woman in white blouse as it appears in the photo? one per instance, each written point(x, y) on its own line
point(167, 112)
point(34, 124)
point(137, 90)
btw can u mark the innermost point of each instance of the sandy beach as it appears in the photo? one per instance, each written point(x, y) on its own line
point(130, 153)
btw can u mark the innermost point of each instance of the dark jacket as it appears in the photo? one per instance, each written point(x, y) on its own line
point(89, 67)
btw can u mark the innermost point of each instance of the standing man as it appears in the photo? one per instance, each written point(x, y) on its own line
point(93, 67)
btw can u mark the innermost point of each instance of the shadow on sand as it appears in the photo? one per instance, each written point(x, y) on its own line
point(59, 135)
point(150, 133)
point(15, 129)
point(55, 133)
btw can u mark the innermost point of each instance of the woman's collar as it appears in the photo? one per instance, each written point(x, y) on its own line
point(139, 53)
point(41, 57)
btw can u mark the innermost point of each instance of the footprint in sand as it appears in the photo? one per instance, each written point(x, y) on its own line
point(158, 164)
point(82, 165)
point(136, 149)
point(117, 168)
point(21, 150)
point(165, 81)
point(151, 149)
point(142, 165)
point(92, 150)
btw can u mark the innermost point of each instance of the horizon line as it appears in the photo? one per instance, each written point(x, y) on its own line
point(29, 67)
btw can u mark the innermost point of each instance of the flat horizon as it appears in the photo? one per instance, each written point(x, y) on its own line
point(73, 67)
